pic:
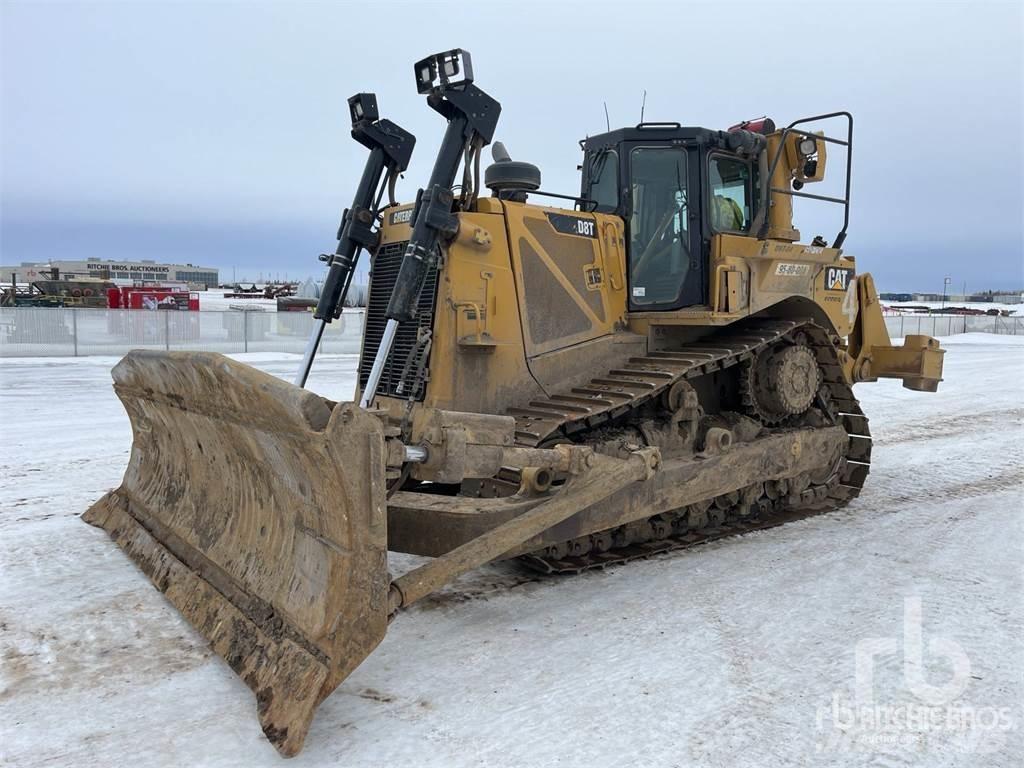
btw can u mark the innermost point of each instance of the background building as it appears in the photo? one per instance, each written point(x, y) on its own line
point(144, 269)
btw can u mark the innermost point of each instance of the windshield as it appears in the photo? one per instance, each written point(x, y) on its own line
point(659, 236)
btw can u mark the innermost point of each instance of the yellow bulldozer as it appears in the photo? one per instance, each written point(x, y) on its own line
point(649, 365)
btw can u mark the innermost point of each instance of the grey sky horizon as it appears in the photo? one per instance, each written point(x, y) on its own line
point(217, 134)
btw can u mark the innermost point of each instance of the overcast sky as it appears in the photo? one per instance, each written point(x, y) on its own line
point(216, 133)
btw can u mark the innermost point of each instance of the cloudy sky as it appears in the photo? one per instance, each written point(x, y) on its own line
point(216, 132)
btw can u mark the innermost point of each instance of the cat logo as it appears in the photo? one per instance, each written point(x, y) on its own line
point(838, 278)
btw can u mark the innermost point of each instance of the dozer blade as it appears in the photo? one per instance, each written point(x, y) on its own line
point(259, 510)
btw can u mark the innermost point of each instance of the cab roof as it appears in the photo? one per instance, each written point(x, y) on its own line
point(667, 132)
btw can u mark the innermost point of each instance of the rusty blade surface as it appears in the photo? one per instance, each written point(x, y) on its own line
point(259, 510)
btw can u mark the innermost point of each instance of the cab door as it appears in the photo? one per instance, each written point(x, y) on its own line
point(667, 260)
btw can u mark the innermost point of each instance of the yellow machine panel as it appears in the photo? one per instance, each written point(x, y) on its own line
point(570, 271)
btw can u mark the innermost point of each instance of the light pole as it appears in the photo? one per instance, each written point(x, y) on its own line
point(945, 285)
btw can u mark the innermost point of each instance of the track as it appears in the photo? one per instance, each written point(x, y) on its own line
point(640, 380)
point(623, 390)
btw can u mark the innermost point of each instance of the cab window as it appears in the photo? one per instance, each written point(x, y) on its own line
point(603, 180)
point(729, 180)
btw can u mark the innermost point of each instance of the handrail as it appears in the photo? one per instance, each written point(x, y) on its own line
point(581, 201)
point(845, 201)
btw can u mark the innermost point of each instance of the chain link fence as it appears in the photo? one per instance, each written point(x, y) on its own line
point(46, 332)
point(950, 325)
point(56, 332)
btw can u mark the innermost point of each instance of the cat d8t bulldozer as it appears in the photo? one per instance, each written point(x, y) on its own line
point(646, 366)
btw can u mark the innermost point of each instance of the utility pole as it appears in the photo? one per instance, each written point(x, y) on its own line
point(945, 286)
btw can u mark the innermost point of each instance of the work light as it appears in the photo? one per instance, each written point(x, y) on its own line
point(445, 66)
point(363, 106)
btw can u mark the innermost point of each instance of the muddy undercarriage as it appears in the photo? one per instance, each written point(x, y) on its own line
point(736, 454)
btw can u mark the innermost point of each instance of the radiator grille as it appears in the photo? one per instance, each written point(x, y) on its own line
point(383, 274)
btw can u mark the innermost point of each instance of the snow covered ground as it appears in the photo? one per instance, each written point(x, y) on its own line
point(745, 652)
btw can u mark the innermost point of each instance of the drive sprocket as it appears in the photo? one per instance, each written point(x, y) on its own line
point(780, 382)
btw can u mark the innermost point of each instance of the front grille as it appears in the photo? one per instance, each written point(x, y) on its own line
point(383, 274)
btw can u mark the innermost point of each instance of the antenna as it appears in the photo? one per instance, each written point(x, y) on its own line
point(607, 121)
point(642, 105)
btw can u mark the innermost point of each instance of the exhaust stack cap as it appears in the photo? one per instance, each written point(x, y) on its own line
point(508, 175)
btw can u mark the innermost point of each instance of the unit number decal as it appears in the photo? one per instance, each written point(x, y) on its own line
point(573, 225)
point(792, 270)
point(838, 278)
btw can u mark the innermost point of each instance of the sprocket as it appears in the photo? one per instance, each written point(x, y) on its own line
point(780, 382)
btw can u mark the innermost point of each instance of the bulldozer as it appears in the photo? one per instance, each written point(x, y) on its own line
point(646, 366)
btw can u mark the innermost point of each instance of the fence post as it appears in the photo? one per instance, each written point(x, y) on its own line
point(74, 328)
point(245, 331)
point(903, 319)
point(167, 331)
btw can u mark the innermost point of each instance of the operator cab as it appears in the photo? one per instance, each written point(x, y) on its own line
point(675, 187)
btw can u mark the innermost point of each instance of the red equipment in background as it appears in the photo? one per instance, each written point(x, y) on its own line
point(150, 297)
point(161, 329)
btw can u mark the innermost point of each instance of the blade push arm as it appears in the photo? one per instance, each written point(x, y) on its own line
point(390, 150)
